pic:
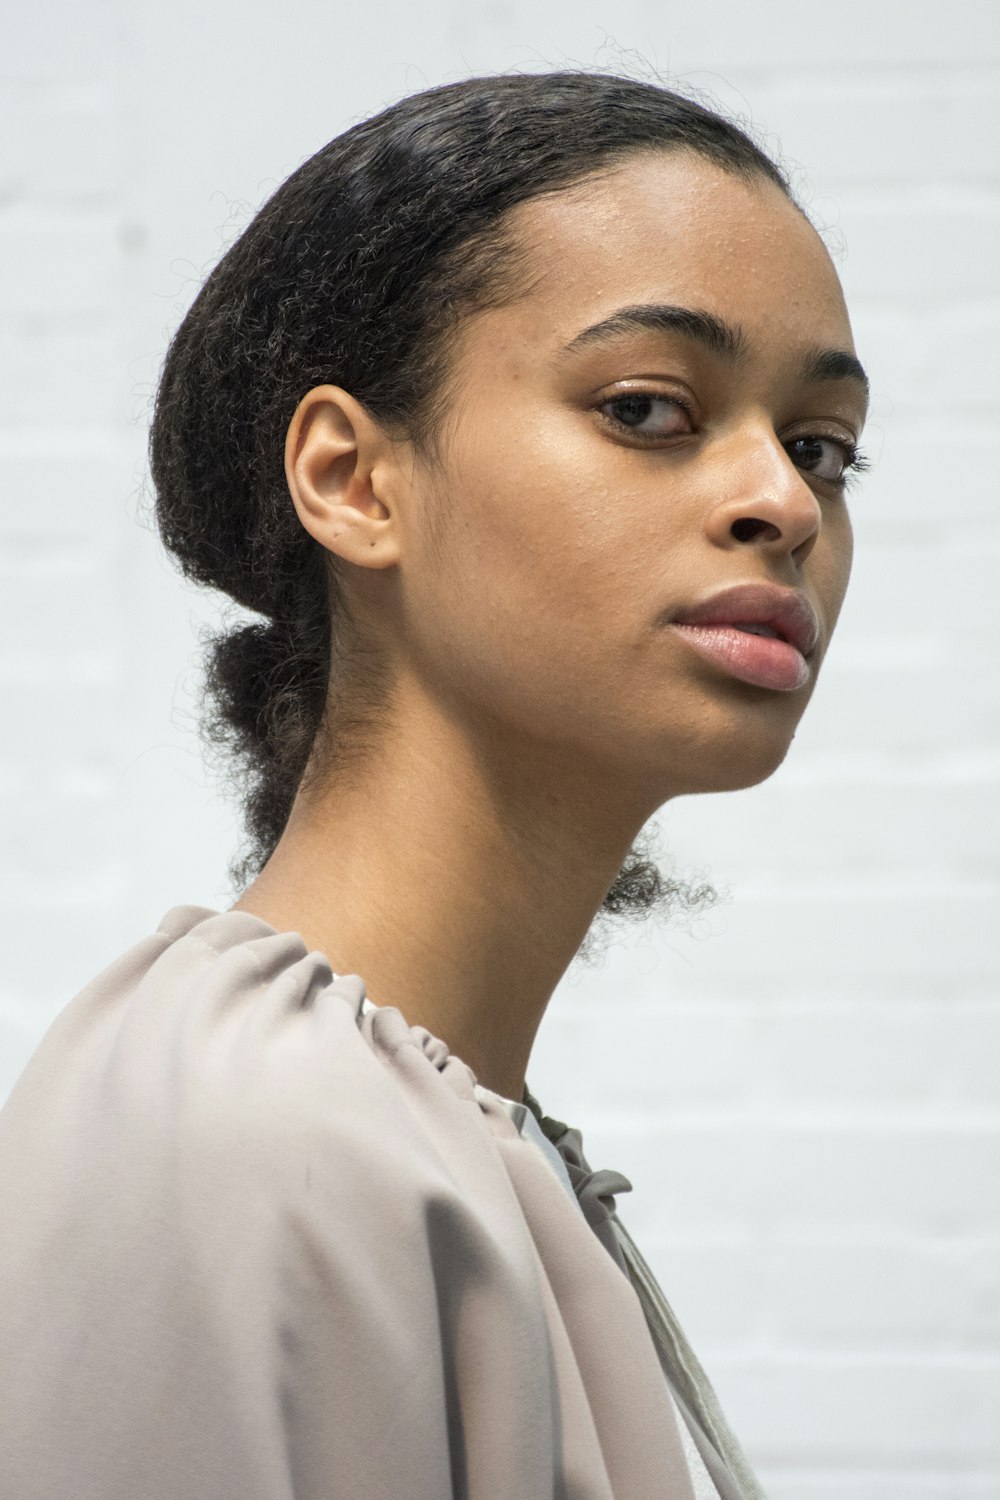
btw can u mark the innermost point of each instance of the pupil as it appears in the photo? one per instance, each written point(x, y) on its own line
point(633, 409)
point(810, 452)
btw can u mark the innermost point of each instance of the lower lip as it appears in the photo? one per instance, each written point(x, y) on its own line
point(758, 659)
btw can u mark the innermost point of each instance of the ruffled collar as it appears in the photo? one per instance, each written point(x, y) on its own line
point(595, 1190)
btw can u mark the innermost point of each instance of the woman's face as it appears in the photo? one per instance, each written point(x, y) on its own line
point(667, 415)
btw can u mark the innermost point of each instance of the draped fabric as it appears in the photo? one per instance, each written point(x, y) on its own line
point(717, 1444)
point(261, 1242)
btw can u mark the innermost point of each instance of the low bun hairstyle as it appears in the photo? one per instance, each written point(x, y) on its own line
point(357, 272)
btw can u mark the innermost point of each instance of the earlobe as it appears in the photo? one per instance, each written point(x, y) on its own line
point(335, 457)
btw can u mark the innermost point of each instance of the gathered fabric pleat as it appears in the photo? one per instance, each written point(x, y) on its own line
point(264, 1242)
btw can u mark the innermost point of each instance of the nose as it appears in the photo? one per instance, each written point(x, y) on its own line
point(768, 503)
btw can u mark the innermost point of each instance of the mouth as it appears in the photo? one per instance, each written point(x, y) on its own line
point(767, 630)
point(756, 632)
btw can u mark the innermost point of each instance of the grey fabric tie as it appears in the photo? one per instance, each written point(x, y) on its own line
point(690, 1386)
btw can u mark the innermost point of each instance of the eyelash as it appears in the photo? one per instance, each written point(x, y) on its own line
point(855, 461)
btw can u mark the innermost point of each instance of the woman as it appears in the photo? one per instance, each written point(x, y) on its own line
point(524, 413)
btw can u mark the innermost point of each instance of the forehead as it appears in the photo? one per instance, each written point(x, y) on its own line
point(672, 227)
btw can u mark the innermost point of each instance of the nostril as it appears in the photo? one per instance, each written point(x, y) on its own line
point(748, 527)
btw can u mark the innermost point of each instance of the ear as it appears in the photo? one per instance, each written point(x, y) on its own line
point(339, 465)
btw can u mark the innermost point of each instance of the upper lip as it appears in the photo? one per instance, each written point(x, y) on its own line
point(787, 611)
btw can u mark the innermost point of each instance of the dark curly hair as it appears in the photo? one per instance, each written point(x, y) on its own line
point(357, 271)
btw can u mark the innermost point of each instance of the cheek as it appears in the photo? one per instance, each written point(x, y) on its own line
point(842, 561)
point(535, 593)
point(563, 523)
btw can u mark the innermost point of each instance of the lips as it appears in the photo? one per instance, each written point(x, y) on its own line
point(755, 632)
point(786, 612)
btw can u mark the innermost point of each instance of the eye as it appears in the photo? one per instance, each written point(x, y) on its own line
point(827, 458)
point(647, 415)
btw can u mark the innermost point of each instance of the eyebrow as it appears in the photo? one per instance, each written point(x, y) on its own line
point(726, 340)
point(704, 327)
point(835, 364)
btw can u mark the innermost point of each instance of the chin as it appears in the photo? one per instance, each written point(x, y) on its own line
point(733, 766)
point(737, 778)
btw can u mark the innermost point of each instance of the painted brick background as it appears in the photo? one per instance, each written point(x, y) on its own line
point(804, 1083)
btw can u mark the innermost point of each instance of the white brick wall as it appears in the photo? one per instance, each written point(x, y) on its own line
point(804, 1087)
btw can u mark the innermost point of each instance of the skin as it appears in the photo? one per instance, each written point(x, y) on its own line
point(518, 589)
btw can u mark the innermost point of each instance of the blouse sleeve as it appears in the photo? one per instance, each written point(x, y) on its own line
point(229, 1257)
point(259, 1245)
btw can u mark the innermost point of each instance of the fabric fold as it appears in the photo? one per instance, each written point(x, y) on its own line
point(265, 1242)
point(717, 1444)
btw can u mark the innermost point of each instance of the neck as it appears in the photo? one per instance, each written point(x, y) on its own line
point(458, 879)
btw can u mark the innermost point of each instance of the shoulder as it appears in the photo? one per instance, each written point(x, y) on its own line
point(216, 1196)
point(219, 1050)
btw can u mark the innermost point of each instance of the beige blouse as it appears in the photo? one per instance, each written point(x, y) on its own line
point(262, 1240)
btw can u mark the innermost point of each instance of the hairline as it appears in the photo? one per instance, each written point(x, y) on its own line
point(438, 412)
